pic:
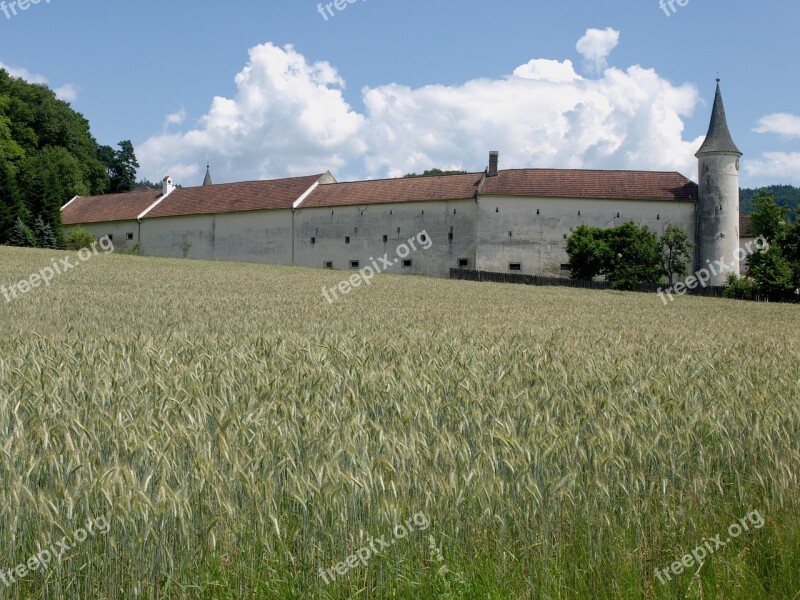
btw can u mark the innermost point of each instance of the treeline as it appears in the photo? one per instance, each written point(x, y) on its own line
point(47, 156)
point(786, 196)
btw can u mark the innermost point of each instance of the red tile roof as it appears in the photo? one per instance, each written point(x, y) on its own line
point(234, 197)
point(111, 207)
point(568, 183)
point(383, 191)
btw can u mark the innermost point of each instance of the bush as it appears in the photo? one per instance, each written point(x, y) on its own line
point(79, 238)
point(739, 288)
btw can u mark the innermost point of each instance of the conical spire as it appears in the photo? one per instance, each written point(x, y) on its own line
point(718, 138)
point(207, 180)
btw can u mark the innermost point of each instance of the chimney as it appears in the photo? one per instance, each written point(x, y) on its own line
point(167, 186)
point(494, 155)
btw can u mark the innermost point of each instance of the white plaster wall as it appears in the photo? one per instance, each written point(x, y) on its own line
point(263, 236)
point(367, 224)
point(718, 211)
point(118, 229)
point(537, 240)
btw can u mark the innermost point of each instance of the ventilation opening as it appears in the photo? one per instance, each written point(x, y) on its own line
point(407, 263)
point(463, 262)
point(515, 266)
point(354, 264)
point(328, 264)
point(385, 238)
point(129, 236)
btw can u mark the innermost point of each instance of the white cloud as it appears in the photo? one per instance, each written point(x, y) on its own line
point(784, 124)
point(288, 117)
point(176, 118)
point(548, 70)
point(595, 46)
point(67, 92)
point(775, 168)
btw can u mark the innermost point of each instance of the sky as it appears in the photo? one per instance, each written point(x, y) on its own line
point(380, 88)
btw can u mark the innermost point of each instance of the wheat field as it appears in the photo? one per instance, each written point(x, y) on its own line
point(241, 434)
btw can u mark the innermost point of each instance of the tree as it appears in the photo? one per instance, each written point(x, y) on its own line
point(627, 255)
point(11, 207)
point(676, 248)
point(120, 166)
point(773, 272)
point(21, 235)
point(433, 173)
point(45, 238)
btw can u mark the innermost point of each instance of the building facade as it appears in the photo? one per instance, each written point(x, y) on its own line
point(514, 220)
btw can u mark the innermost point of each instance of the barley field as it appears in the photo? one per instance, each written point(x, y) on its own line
point(243, 437)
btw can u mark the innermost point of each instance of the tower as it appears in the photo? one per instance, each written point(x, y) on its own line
point(207, 180)
point(718, 202)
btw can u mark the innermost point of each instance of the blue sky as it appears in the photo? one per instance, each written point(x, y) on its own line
point(387, 86)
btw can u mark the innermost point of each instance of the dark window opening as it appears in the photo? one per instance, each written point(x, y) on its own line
point(463, 262)
point(450, 237)
point(537, 211)
point(618, 215)
point(110, 237)
point(566, 267)
point(354, 264)
point(328, 264)
point(510, 234)
point(407, 263)
point(423, 238)
point(313, 241)
point(129, 236)
point(385, 238)
point(347, 239)
point(515, 267)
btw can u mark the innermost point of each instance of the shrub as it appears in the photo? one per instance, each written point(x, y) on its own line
point(739, 288)
point(79, 238)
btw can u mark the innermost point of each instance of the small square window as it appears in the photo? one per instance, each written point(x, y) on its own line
point(313, 241)
point(354, 264)
point(407, 263)
point(385, 238)
point(347, 239)
point(566, 267)
point(463, 262)
point(515, 266)
point(129, 236)
point(328, 264)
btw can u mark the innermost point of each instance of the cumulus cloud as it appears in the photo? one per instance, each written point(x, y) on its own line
point(595, 47)
point(288, 117)
point(176, 118)
point(67, 92)
point(775, 167)
point(784, 124)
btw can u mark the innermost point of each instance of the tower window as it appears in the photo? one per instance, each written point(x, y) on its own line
point(579, 213)
point(313, 241)
point(510, 234)
point(537, 211)
point(450, 237)
point(347, 239)
point(385, 238)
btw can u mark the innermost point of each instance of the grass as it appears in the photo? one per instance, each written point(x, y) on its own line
point(240, 433)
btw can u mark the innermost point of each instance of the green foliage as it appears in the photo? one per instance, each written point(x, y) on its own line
point(47, 154)
point(775, 274)
point(433, 173)
point(21, 235)
point(787, 196)
point(739, 288)
point(79, 238)
point(675, 257)
point(45, 238)
point(626, 255)
point(120, 166)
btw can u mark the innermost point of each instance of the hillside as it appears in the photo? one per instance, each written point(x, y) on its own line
point(244, 437)
point(785, 195)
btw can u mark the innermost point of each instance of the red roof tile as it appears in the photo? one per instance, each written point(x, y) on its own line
point(234, 197)
point(111, 207)
point(568, 183)
point(384, 191)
